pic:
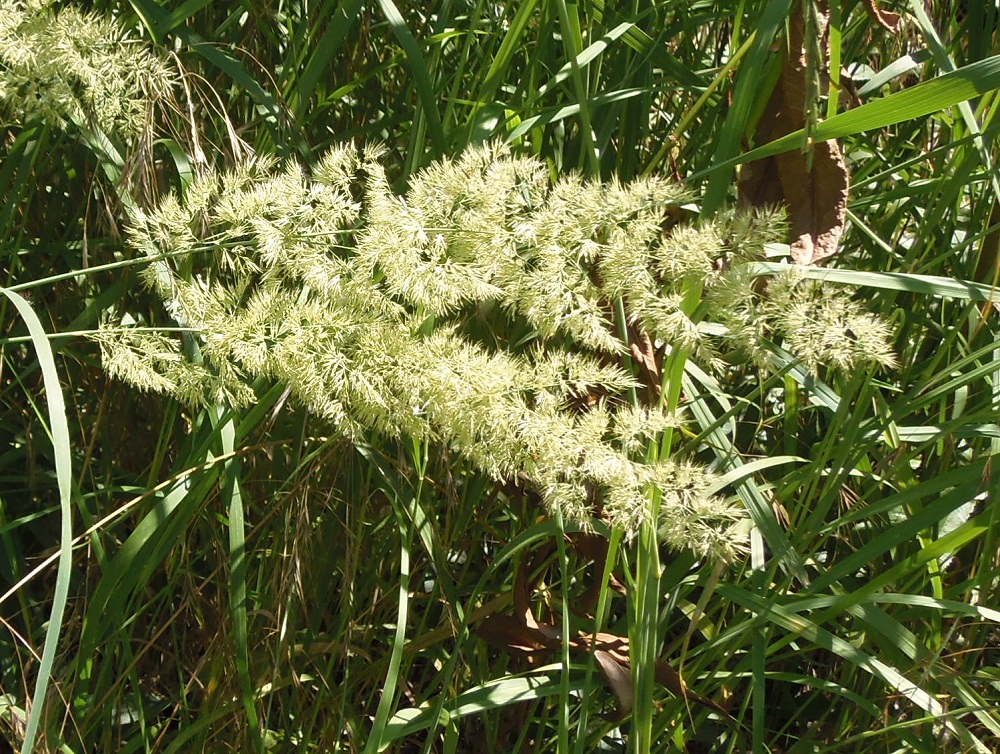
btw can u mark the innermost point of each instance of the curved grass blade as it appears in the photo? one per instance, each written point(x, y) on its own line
point(798, 625)
point(64, 474)
point(586, 57)
point(932, 603)
point(903, 65)
point(745, 97)
point(565, 111)
point(321, 54)
point(401, 500)
point(142, 552)
point(750, 493)
point(508, 48)
point(158, 20)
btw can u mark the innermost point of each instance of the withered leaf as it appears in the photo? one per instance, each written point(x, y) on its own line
point(884, 18)
point(648, 359)
point(619, 679)
point(611, 653)
point(813, 187)
point(523, 634)
point(507, 632)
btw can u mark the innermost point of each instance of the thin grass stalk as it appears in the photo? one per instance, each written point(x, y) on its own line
point(238, 574)
point(691, 114)
point(564, 690)
point(406, 525)
point(745, 93)
point(600, 618)
point(569, 25)
point(758, 688)
point(427, 115)
point(836, 36)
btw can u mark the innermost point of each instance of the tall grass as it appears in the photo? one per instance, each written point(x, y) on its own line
point(251, 581)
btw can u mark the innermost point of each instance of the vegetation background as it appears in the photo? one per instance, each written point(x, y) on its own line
point(251, 581)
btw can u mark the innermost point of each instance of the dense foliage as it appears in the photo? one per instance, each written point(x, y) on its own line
point(415, 388)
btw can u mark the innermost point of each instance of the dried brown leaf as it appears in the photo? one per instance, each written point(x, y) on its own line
point(884, 18)
point(619, 680)
point(507, 632)
point(812, 186)
point(648, 358)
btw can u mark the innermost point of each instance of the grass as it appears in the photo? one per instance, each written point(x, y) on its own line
point(249, 581)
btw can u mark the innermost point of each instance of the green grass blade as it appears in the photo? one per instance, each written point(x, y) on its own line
point(538, 684)
point(932, 285)
point(178, 16)
point(956, 488)
point(318, 65)
point(501, 63)
point(899, 67)
point(562, 112)
point(376, 740)
point(238, 575)
point(931, 603)
point(923, 99)
point(418, 72)
point(586, 57)
point(142, 552)
point(750, 493)
point(572, 39)
point(798, 625)
point(745, 97)
point(159, 19)
point(64, 474)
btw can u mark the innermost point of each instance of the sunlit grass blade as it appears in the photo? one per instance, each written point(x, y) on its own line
point(406, 523)
point(540, 683)
point(344, 17)
point(59, 433)
point(238, 572)
point(925, 98)
point(159, 20)
point(806, 629)
point(931, 285)
point(141, 554)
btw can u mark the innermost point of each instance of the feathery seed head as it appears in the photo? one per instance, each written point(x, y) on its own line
point(306, 286)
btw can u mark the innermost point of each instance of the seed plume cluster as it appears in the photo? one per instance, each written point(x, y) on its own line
point(362, 301)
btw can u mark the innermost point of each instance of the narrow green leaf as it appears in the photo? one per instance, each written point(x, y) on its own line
point(159, 18)
point(238, 571)
point(745, 95)
point(923, 99)
point(59, 428)
point(565, 111)
point(777, 614)
point(759, 507)
point(932, 285)
point(418, 72)
point(318, 64)
point(142, 553)
point(948, 492)
point(538, 684)
point(512, 40)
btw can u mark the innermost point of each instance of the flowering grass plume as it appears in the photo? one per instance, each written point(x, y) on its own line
point(362, 301)
point(67, 66)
